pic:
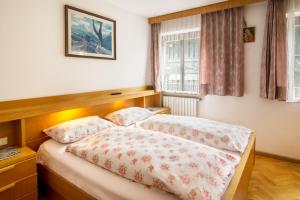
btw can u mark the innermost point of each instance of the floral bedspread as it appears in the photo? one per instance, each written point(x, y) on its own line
point(161, 161)
point(216, 134)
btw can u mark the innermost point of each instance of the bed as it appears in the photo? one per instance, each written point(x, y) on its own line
point(222, 173)
point(61, 168)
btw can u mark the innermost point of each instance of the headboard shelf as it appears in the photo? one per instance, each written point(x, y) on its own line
point(19, 109)
point(22, 121)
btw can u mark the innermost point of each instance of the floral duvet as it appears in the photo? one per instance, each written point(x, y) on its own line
point(216, 134)
point(188, 169)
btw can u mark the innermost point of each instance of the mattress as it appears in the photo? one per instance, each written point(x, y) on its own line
point(96, 181)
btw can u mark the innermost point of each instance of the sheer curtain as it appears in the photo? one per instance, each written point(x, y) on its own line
point(155, 61)
point(179, 57)
point(293, 24)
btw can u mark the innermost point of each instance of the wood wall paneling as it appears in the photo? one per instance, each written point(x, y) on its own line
point(153, 101)
point(19, 109)
point(22, 121)
point(35, 136)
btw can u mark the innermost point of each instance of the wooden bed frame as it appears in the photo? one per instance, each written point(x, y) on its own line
point(27, 118)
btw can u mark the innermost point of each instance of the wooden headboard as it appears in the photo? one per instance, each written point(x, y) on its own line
point(22, 121)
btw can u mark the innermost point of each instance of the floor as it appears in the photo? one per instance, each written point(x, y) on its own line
point(274, 180)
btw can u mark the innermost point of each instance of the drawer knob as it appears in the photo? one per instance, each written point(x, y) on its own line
point(5, 169)
point(7, 187)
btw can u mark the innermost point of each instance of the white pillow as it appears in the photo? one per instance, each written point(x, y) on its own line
point(75, 130)
point(128, 116)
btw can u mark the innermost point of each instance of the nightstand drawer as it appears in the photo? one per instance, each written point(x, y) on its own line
point(15, 172)
point(19, 190)
point(31, 196)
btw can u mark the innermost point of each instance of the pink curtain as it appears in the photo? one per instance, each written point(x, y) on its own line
point(273, 77)
point(222, 53)
point(156, 79)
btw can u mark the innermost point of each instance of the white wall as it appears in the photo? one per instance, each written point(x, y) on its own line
point(277, 123)
point(32, 61)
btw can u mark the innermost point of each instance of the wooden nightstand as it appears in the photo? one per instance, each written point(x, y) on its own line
point(160, 110)
point(18, 176)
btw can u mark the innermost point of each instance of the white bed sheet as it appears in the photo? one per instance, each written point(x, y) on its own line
point(96, 181)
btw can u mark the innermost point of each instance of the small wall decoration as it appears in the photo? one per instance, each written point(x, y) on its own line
point(249, 34)
point(89, 35)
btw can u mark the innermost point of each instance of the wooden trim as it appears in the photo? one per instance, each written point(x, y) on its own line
point(23, 132)
point(7, 187)
point(20, 109)
point(24, 155)
point(201, 10)
point(8, 168)
point(67, 7)
point(278, 157)
point(60, 186)
point(238, 186)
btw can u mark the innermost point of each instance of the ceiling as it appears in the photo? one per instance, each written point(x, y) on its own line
point(150, 8)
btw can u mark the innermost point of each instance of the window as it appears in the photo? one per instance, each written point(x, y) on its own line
point(180, 61)
point(293, 19)
point(296, 70)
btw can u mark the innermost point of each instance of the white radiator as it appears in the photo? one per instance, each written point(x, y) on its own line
point(186, 106)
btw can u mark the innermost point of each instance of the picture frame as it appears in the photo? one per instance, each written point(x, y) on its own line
point(249, 34)
point(89, 35)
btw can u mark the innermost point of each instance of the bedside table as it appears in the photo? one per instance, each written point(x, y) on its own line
point(18, 176)
point(159, 110)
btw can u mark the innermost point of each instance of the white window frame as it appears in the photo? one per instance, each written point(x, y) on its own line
point(181, 92)
point(291, 31)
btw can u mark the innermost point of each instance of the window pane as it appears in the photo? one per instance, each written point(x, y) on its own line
point(297, 72)
point(172, 66)
point(191, 65)
point(297, 92)
point(297, 40)
point(297, 78)
point(297, 59)
point(180, 62)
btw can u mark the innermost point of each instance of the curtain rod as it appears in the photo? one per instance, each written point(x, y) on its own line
point(201, 10)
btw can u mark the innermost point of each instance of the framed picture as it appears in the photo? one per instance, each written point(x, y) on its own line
point(249, 34)
point(89, 35)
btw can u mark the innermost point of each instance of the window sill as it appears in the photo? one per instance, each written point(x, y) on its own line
point(293, 101)
point(182, 94)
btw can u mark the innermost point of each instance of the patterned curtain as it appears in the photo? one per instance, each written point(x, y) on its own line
point(155, 44)
point(273, 77)
point(222, 53)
